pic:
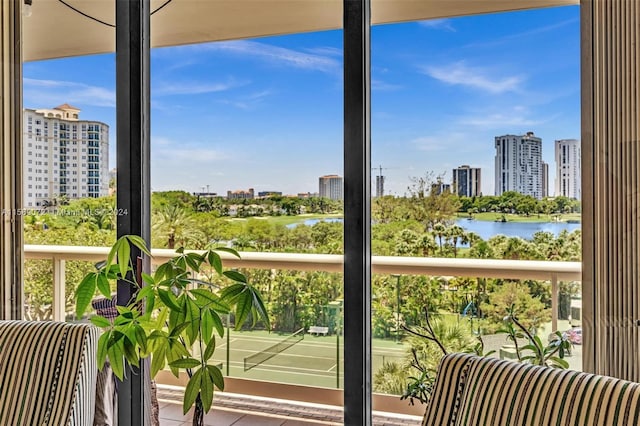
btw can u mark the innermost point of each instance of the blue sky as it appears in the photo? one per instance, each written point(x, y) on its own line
point(267, 113)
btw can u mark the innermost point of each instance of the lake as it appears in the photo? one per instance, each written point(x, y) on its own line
point(515, 229)
point(486, 229)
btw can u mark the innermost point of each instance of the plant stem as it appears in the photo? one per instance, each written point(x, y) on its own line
point(198, 413)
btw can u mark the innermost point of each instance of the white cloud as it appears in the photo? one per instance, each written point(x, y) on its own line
point(380, 85)
point(439, 24)
point(250, 101)
point(41, 93)
point(281, 55)
point(478, 78)
point(194, 88)
point(514, 120)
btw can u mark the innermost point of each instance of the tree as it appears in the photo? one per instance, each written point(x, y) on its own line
point(457, 234)
point(429, 206)
point(529, 310)
point(172, 222)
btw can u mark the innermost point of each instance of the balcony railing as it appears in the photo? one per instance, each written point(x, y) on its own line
point(555, 272)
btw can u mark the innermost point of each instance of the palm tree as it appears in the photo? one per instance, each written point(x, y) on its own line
point(172, 222)
point(456, 232)
point(440, 231)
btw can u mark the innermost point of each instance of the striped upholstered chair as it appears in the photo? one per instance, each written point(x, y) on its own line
point(474, 391)
point(47, 373)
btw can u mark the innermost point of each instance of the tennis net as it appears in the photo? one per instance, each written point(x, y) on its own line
point(262, 356)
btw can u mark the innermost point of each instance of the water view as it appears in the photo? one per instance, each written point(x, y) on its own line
point(487, 229)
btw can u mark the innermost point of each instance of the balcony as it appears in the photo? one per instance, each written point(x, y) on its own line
point(324, 391)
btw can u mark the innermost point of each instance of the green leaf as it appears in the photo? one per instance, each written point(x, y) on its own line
point(141, 338)
point(208, 352)
point(231, 292)
point(228, 250)
point(185, 363)
point(206, 325)
point(259, 307)
point(103, 285)
point(102, 349)
point(178, 329)
point(113, 252)
point(192, 390)
point(159, 356)
point(84, 293)
point(559, 362)
point(99, 321)
point(124, 254)
point(169, 300)
point(206, 390)
point(144, 292)
point(216, 374)
point(215, 261)
point(235, 276)
point(193, 319)
point(207, 299)
point(244, 304)
point(148, 279)
point(116, 354)
point(138, 242)
point(194, 260)
point(130, 352)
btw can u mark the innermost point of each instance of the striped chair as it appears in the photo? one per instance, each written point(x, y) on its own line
point(47, 373)
point(471, 390)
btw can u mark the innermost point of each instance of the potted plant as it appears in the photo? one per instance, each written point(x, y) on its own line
point(173, 317)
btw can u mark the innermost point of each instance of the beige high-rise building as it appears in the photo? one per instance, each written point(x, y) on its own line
point(331, 187)
point(63, 156)
point(568, 165)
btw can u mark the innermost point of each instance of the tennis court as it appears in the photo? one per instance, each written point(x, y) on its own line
point(310, 361)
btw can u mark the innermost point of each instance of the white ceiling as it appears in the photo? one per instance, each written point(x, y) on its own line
point(54, 30)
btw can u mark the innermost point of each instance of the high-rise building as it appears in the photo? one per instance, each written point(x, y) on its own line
point(379, 186)
point(331, 187)
point(518, 164)
point(466, 181)
point(568, 166)
point(545, 179)
point(63, 156)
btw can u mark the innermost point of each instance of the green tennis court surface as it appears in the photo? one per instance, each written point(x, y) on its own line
point(311, 361)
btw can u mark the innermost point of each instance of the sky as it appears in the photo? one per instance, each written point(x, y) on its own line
point(267, 113)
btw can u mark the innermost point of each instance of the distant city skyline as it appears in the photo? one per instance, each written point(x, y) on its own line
point(267, 113)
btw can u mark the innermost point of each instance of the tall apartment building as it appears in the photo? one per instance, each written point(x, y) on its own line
point(63, 156)
point(379, 186)
point(568, 166)
point(331, 187)
point(518, 164)
point(545, 179)
point(466, 181)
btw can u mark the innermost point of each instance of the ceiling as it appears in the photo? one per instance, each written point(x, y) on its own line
point(54, 30)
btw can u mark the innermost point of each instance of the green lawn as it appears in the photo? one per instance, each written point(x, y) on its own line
point(492, 217)
point(287, 220)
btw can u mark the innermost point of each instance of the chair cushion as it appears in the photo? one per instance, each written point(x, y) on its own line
point(47, 373)
point(506, 393)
